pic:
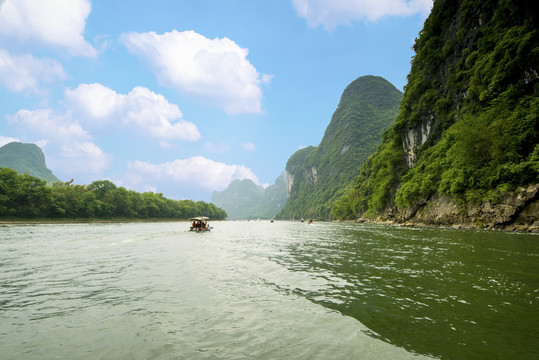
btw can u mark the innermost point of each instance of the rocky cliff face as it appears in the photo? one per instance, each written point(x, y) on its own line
point(464, 150)
point(513, 211)
point(414, 137)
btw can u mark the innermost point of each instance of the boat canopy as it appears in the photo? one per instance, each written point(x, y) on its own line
point(200, 218)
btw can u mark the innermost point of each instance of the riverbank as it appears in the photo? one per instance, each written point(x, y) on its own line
point(525, 228)
point(84, 221)
point(510, 211)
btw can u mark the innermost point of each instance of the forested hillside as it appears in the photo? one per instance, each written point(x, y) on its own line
point(26, 159)
point(27, 197)
point(318, 176)
point(464, 148)
point(243, 199)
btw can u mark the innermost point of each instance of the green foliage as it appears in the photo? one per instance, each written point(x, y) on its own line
point(475, 73)
point(26, 159)
point(24, 196)
point(377, 185)
point(321, 175)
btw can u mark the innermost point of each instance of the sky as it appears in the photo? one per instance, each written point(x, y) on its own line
point(183, 97)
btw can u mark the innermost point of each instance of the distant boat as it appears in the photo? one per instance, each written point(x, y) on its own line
point(200, 224)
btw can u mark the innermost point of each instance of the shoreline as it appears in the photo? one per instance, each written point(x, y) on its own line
point(508, 227)
point(84, 221)
point(411, 224)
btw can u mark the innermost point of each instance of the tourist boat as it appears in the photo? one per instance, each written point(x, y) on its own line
point(200, 224)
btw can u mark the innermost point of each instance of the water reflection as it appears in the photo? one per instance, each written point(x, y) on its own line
point(157, 291)
point(446, 293)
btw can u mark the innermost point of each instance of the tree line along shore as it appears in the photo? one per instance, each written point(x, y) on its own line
point(24, 198)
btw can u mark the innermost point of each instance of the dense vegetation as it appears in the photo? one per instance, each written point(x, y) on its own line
point(475, 79)
point(243, 199)
point(25, 196)
point(368, 106)
point(26, 159)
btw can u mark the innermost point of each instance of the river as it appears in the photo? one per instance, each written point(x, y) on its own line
point(261, 290)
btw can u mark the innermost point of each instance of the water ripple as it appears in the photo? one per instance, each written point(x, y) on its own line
point(262, 290)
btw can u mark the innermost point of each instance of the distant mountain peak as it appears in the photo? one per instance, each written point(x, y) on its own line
point(316, 176)
point(26, 158)
point(243, 199)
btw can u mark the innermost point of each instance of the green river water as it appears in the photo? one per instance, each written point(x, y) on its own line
point(261, 290)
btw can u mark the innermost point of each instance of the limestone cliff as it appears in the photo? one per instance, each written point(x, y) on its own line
point(319, 175)
point(465, 147)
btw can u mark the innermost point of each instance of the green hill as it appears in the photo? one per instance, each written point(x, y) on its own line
point(318, 175)
point(464, 148)
point(243, 199)
point(26, 158)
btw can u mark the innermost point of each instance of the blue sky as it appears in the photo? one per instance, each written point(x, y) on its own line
point(183, 97)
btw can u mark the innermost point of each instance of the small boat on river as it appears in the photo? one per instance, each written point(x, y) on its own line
point(200, 224)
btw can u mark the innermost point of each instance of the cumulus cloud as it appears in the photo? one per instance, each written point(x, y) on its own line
point(56, 23)
point(96, 107)
point(248, 146)
point(196, 172)
point(25, 72)
point(100, 107)
point(91, 108)
point(47, 123)
point(215, 71)
point(81, 157)
point(69, 148)
point(332, 13)
point(6, 140)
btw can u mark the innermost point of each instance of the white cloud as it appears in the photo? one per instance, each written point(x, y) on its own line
point(100, 107)
point(195, 172)
point(92, 108)
point(248, 146)
point(45, 122)
point(25, 72)
point(215, 71)
point(41, 143)
point(332, 13)
point(56, 23)
point(69, 150)
point(6, 140)
point(94, 101)
point(82, 157)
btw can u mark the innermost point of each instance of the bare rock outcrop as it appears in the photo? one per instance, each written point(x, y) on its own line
point(513, 211)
